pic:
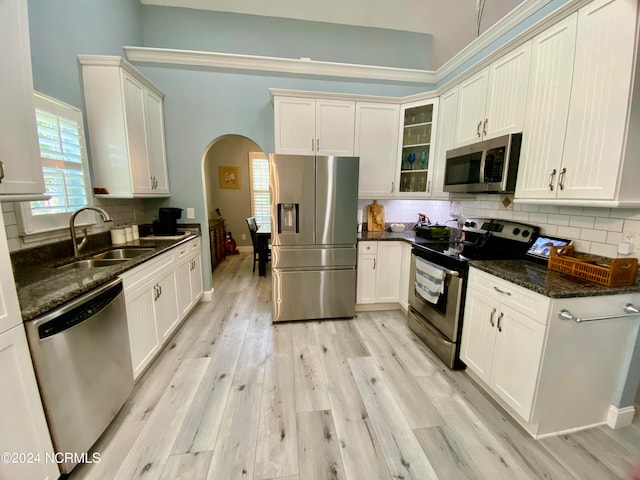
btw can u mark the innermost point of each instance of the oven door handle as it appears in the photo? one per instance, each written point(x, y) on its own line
point(451, 272)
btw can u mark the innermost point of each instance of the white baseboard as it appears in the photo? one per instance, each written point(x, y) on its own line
point(568, 431)
point(374, 307)
point(620, 417)
point(207, 296)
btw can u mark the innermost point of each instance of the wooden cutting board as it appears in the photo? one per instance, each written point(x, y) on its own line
point(375, 217)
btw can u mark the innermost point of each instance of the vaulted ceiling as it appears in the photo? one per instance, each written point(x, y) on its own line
point(452, 23)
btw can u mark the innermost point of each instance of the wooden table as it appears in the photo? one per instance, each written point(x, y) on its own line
point(263, 235)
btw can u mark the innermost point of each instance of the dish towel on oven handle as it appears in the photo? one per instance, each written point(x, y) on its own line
point(429, 280)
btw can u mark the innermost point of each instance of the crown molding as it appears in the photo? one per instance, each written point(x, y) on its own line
point(115, 61)
point(278, 64)
point(370, 72)
point(493, 33)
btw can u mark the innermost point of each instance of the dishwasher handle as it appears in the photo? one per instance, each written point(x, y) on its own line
point(78, 310)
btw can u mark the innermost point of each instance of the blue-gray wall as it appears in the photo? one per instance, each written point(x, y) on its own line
point(61, 30)
point(187, 29)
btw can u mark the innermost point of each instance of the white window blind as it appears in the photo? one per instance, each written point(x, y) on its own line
point(64, 167)
point(260, 197)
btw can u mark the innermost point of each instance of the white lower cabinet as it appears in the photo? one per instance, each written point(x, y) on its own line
point(166, 305)
point(553, 376)
point(189, 277)
point(23, 428)
point(158, 295)
point(143, 335)
point(366, 272)
point(504, 349)
point(379, 272)
point(22, 421)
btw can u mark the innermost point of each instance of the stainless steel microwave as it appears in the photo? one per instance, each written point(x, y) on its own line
point(487, 166)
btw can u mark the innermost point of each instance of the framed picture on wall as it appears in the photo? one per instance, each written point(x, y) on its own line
point(229, 177)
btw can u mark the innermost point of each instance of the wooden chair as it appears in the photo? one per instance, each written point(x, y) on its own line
point(253, 229)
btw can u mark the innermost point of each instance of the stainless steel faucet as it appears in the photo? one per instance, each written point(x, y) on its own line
point(78, 246)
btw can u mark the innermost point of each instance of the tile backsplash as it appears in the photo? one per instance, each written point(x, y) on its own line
point(122, 212)
point(593, 230)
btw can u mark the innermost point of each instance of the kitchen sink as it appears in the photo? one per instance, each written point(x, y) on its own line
point(92, 263)
point(122, 253)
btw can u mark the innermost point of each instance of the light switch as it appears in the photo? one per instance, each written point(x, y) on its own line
point(191, 213)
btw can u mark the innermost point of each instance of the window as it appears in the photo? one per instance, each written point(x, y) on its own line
point(260, 196)
point(64, 167)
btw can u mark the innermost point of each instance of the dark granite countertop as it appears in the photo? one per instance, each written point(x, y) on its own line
point(42, 286)
point(407, 236)
point(549, 283)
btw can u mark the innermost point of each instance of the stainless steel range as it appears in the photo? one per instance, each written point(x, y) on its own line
point(438, 281)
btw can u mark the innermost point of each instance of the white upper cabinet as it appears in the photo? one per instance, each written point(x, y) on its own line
point(376, 143)
point(446, 140)
point(545, 123)
point(597, 122)
point(492, 102)
point(20, 165)
point(307, 126)
point(583, 77)
point(416, 155)
point(126, 129)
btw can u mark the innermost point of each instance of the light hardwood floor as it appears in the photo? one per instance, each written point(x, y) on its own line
point(234, 397)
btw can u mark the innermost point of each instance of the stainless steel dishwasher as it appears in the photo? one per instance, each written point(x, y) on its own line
point(82, 361)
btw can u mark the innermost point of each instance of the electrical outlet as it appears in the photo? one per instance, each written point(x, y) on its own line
point(191, 213)
point(628, 237)
point(243, 236)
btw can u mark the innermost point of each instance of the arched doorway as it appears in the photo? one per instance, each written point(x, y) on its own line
point(227, 184)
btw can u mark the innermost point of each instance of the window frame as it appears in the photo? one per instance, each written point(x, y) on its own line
point(33, 225)
point(258, 156)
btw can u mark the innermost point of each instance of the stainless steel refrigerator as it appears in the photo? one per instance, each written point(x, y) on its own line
point(314, 202)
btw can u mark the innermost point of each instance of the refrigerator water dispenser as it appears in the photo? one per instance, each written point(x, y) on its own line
point(288, 217)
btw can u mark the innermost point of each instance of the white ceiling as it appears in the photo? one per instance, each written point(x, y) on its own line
point(451, 22)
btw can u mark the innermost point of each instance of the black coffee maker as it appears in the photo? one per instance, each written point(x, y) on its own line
point(167, 221)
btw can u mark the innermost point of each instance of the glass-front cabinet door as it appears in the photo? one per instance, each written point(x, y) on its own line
point(415, 163)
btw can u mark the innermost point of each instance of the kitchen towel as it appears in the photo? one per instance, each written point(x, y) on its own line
point(429, 280)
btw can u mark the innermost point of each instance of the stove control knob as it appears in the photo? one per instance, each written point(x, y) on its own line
point(526, 233)
point(470, 224)
point(516, 231)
